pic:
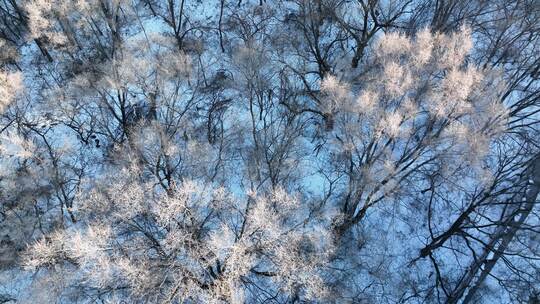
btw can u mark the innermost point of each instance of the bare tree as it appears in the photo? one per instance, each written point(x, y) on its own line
point(274, 151)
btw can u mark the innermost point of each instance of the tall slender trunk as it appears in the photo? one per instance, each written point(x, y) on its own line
point(501, 239)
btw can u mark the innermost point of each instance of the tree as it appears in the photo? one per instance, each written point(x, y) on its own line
point(269, 151)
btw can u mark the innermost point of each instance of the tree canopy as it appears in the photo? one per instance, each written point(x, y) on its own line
point(270, 151)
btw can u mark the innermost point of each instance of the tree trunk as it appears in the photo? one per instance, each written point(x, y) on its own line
point(504, 235)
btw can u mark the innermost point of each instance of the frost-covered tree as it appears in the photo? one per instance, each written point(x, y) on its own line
point(271, 151)
point(195, 243)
